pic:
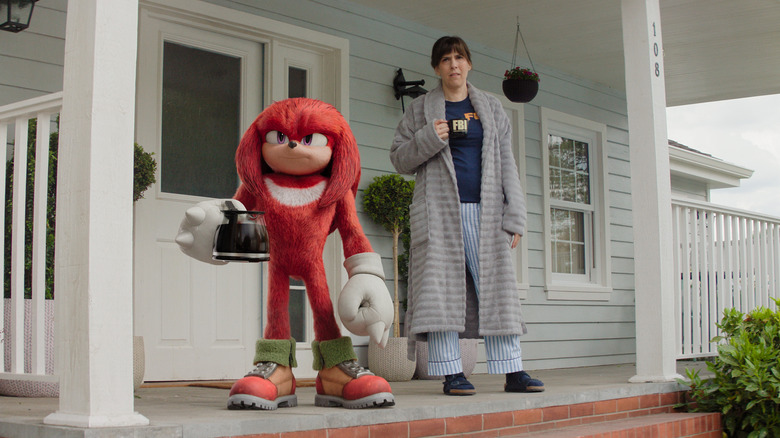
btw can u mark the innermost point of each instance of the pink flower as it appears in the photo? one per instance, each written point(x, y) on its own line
point(521, 73)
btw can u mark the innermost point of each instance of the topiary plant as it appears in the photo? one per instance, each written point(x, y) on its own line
point(144, 168)
point(745, 387)
point(386, 201)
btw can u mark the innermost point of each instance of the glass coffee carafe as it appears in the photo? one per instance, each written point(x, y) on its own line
point(242, 237)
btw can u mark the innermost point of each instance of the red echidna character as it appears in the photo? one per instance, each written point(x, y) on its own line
point(299, 163)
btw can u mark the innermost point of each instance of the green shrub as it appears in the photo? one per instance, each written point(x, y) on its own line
point(745, 387)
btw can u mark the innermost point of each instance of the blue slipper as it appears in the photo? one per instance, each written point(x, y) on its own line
point(456, 384)
point(522, 382)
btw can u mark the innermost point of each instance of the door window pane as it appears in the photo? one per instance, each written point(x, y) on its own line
point(296, 82)
point(200, 121)
point(297, 309)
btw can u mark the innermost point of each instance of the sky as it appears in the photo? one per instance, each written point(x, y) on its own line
point(745, 132)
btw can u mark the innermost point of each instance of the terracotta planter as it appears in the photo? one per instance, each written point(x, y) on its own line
point(391, 362)
point(520, 90)
point(468, 354)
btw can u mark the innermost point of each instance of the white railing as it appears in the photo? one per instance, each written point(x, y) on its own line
point(724, 258)
point(25, 355)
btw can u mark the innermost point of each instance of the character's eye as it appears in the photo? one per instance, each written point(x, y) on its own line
point(315, 139)
point(276, 137)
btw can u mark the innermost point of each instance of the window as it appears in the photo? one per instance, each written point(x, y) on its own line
point(298, 311)
point(571, 211)
point(575, 204)
point(201, 121)
point(296, 82)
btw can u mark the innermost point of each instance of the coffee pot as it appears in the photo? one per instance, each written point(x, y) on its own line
point(242, 236)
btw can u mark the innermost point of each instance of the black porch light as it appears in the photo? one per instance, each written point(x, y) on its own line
point(15, 14)
point(402, 87)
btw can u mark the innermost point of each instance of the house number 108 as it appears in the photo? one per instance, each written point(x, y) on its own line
point(655, 53)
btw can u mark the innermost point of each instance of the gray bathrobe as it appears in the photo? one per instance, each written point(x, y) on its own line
point(438, 292)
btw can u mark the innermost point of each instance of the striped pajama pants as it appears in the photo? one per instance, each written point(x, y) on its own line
point(503, 351)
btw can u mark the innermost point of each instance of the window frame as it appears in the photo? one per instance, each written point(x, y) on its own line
point(595, 284)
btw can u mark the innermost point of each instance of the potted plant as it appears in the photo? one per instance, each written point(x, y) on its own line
point(386, 201)
point(144, 170)
point(520, 84)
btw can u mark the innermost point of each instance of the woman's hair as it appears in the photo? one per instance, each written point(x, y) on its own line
point(445, 45)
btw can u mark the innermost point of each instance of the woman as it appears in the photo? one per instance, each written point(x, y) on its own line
point(467, 213)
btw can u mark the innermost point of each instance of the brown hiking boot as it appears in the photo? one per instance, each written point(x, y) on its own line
point(349, 385)
point(267, 387)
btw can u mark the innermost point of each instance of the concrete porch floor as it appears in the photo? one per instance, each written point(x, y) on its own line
point(186, 411)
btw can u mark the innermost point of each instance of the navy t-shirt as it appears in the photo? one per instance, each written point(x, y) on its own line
point(467, 151)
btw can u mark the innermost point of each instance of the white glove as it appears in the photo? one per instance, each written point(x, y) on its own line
point(199, 226)
point(364, 304)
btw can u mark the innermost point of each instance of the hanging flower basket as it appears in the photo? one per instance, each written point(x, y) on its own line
point(520, 89)
point(520, 84)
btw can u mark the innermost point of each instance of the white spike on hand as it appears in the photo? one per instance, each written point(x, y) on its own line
point(185, 239)
point(195, 215)
point(379, 332)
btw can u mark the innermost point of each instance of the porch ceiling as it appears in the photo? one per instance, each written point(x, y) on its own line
point(713, 49)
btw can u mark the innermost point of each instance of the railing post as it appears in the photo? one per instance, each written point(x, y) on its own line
point(17, 245)
point(38, 283)
point(3, 153)
point(687, 282)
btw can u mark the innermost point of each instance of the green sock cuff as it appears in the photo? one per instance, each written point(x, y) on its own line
point(331, 353)
point(280, 351)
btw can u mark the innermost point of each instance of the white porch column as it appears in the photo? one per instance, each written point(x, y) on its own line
point(651, 191)
point(94, 217)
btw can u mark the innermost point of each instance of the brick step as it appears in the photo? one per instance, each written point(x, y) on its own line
point(643, 416)
point(671, 425)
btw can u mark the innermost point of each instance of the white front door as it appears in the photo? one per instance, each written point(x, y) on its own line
point(197, 92)
point(199, 88)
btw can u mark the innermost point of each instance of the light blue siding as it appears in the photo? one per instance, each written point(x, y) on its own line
point(31, 61)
